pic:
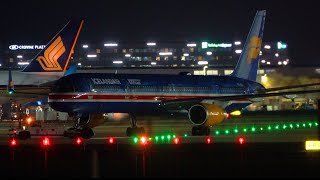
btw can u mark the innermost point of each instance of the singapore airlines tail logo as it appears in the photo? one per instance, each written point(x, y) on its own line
point(254, 49)
point(49, 62)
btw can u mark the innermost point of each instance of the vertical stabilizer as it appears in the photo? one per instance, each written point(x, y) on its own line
point(248, 62)
point(57, 53)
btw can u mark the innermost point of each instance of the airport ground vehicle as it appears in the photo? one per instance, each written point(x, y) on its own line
point(29, 127)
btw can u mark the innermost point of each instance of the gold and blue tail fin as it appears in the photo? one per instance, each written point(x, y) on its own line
point(248, 62)
point(57, 53)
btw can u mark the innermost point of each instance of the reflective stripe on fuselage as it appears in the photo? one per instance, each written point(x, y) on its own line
point(121, 97)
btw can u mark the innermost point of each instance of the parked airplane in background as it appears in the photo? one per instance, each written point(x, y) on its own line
point(48, 65)
point(207, 99)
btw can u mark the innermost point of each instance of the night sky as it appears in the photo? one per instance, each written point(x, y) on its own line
point(294, 22)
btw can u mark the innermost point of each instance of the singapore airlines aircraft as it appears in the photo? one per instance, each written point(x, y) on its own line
point(207, 99)
point(48, 65)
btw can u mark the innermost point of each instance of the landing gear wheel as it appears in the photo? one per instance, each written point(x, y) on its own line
point(87, 133)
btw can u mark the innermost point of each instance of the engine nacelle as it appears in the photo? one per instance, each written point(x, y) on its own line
point(206, 114)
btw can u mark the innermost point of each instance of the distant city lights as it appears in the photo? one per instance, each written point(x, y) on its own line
point(192, 45)
point(267, 47)
point(238, 51)
point(165, 53)
point(117, 62)
point(110, 44)
point(202, 62)
point(91, 55)
point(23, 63)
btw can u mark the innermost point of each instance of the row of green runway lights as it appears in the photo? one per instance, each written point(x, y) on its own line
point(268, 128)
point(236, 130)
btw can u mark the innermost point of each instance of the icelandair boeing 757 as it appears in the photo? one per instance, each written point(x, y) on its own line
point(207, 99)
point(49, 65)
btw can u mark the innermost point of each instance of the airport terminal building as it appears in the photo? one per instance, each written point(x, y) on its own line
point(149, 54)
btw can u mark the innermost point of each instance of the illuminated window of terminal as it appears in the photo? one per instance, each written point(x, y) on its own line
point(227, 72)
point(212, 72)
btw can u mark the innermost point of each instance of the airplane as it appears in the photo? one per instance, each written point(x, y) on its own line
point(207, 99)
point(48, 65)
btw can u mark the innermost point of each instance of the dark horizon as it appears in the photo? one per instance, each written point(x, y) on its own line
point(142, 20)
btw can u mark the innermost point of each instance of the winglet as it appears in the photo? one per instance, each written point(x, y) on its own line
point(248, 62)
point(57, 53)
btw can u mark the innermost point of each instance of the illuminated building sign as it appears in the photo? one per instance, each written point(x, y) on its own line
point(214, 45)
point(281, 45)
point(24, 47)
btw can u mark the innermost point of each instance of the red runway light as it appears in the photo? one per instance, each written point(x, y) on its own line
point(143, 140)
point(176, 140)
point(13, 142)
point(79, 141)
point(111, 140)
point(46, 141)
point(208, 140)
point(241, 140)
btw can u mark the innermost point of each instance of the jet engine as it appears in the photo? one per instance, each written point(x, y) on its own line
point(206, 114)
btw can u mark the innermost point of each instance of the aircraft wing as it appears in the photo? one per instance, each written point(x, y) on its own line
point(186, 103)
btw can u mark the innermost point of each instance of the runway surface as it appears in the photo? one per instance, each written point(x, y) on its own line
point(276, 152)
point(288, 126)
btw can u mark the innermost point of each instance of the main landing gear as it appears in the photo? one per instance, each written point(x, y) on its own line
point(80, 127)
point(200, 130)
point(134, 129)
